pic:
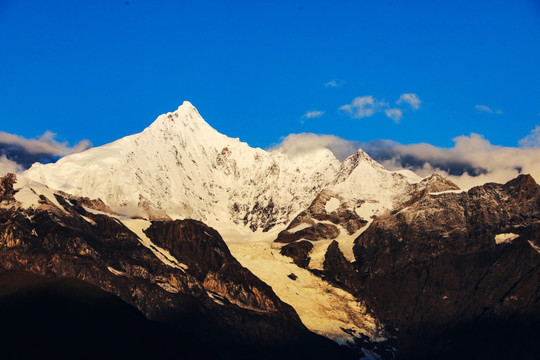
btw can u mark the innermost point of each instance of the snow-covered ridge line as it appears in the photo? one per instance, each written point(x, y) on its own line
point(180, 167)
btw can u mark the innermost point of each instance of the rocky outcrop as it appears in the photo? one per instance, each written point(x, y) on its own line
point(321, 219)
point(314, 232)
point(450, 265)
point(299, 252)
point(208, 258)
point(434, 183)
point(6, 187)
point(339, 270)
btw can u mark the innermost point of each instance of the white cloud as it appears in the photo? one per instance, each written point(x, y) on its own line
point(472, 161)
point(366, 106)
point(531, 140)
point(335, 83)
point(412, 99)
point(487, 109)
point(45, 148)
point(363, 106)
point(45, 144)
point(313, 114)
point(304, 143)
point(394, 114)
point(8, 166)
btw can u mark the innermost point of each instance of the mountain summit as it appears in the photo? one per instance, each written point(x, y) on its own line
point(180, 167)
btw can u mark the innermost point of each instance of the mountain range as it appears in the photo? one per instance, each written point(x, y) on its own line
point(256, 253)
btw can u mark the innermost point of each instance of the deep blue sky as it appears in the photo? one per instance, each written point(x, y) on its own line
point(100, 70)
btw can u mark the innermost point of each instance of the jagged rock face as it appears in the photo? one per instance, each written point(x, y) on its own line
point(203, 250)
point(459, 224)
point(321, 219)
point(185, 276)
point(6, 186)
point(432, 184)
point(450, 261)
point(299, 252)
point(339, 269)
point(314, 232)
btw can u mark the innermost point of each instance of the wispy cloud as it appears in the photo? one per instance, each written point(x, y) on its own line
point(8, 166)
point(532, 139)
point(24, 152)
point(394, 114)
point(412, 99)
point(366, 106)
point(363, 106)
point(335, 83)
point(312, 114)
point(487, 109)
point(472, 161)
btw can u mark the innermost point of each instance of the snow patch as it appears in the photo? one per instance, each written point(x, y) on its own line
point(167, 287)
point(29, 191)
point(369, 209)
point(331, 205)
point(346, 242)
point(217, 299)
point(27, 197)
point(88, 220)
point(410, 176)
point(116, 272)
point(535, 247)
point(447, 192)
point(138, 226)
point(318, 253)
point(505, 238)
point(299, 227)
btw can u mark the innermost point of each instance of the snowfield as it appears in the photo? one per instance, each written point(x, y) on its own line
point(323, 308)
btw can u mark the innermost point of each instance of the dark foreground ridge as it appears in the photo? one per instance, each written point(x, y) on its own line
point(69, 318)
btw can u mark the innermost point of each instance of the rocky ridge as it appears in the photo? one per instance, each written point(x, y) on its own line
point(179, 272)
point(450, 265)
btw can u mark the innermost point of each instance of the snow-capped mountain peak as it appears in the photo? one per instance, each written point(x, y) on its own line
point(186, 117)
point(181, 167)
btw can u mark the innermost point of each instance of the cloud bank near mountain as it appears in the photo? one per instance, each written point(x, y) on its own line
point(472, 161)
point(18, 153)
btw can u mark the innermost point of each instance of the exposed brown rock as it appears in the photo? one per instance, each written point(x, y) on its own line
point(319, 231)
point(6, 186)
point(435, 267)
point(432, 184)
point(321, 225)
point(339, 270)
point(299, 252)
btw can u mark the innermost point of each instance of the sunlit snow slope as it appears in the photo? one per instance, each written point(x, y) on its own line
point(180, 167)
